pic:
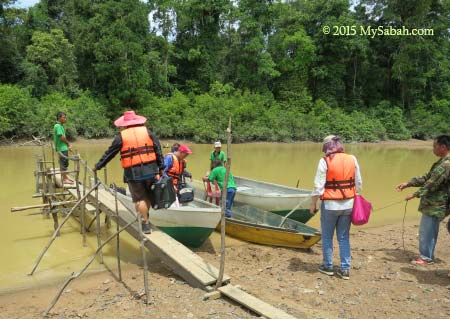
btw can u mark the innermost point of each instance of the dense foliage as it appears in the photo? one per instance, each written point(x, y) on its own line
point(189, 65)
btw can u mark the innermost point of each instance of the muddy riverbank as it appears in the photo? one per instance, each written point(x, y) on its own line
point(383, 284)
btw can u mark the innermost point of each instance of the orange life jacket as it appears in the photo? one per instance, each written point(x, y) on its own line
point(340, 182)
point(137, 147)
point(176, 169)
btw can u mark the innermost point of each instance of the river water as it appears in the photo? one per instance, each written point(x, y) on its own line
point(23, 237)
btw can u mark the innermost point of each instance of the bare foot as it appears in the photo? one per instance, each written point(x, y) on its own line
point(68, 181)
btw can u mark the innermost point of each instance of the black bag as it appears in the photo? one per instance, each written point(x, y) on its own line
point(185, 192)
point(162, 193)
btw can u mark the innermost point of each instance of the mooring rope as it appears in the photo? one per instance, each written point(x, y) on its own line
point(388, 205)
point(403, 227)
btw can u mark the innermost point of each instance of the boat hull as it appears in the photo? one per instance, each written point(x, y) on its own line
point(267, 236)
point(190, 225)
point(275, 198)
point(258, 226)
point(189, 236)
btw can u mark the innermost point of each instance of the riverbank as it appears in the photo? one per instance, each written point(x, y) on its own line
point(383, 284)
point(166, 143)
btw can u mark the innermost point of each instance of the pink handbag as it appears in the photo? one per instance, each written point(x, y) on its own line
point(361, 210)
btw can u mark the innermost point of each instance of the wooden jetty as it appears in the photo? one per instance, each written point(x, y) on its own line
point(100, 198)
point(189, 266)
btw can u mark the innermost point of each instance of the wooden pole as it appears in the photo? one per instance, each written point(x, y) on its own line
point(107, 217)
point(144, 259)
point(289, 214)
point(83, 207)
point(224, 204)
point(46, 205)
point(59, 227)
point(43, 153)
point(53, 165)
point(119, 268)
point(44, 192)
point(37, 170)
point(74, 276)
point(60, 171)
point(97, 216)
point(76, 163)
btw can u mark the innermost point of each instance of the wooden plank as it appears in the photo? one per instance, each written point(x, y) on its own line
point(165, 243)
point(72, 191)
point(199, 261)
point(253, 303)
point(162, 245)
point(90, 208)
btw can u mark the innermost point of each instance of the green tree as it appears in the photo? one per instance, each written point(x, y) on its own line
point(199, 44)
point(16, 111)
point(50, 60)
point(11, 33)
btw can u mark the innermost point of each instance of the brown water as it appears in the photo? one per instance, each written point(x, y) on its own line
point(23, 237)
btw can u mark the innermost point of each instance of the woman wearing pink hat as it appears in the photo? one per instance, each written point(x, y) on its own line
point(141, 159)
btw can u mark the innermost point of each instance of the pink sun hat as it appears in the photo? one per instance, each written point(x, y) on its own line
point(130, 118)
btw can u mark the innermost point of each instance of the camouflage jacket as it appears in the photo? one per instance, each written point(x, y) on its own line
point(434, 189)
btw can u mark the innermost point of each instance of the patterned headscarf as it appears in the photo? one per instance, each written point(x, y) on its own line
point(331, 145)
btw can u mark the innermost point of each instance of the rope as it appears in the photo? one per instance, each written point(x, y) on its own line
point(403, 227)
point(388, 205)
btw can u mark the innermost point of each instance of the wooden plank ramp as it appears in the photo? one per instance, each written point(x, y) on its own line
point(253, 303)
point(191, 267)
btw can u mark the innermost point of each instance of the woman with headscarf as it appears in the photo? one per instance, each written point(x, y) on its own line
point(336, 183)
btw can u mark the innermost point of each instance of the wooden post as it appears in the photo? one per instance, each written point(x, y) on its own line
point(59, 227)
point(76, 164)
point(83, 208)
point(97, 217)
point(46, 205)
point(224, 205)
point(53, 165)
point(107, 217)
point(144, 258)
point(44, 192)
point(37, 173)
point(119, 268)
point(43, 153)
point(105, 175)
point(74, 276)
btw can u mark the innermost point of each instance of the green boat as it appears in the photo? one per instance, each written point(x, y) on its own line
point(191, 224)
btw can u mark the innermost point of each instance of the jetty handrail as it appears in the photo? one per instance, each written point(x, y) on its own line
point(74, 276)
point(56, 232)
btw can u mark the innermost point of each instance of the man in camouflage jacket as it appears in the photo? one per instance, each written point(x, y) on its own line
point(434, 199)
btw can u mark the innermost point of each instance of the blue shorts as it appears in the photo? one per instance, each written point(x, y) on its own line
point(64, 161)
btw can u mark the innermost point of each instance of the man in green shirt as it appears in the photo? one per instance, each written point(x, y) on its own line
point(218, 174)
point(434, 195)
point(62, 145)
point(217, 153)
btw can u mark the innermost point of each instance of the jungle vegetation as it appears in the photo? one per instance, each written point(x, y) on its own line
point(190, 64)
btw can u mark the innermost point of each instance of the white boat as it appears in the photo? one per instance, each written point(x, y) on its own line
point(278, 199)
point(190, 224)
